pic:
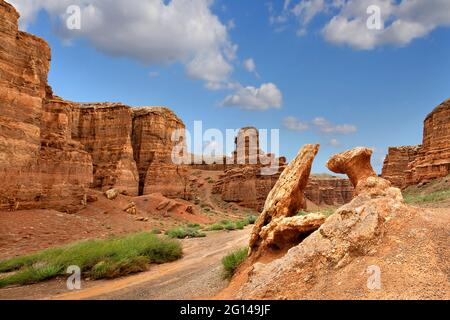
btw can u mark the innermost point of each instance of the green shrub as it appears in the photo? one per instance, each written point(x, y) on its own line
point(185, 232)
point(96, 258)
point(232, 261)
point(214, 227)
point(251, 219)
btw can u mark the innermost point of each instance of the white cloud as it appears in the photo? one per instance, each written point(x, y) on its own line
point(151, 31)
point(319, 123)
point(294, 124)
point(334, 142)
point(265, 97)
point(250, 65)
point(325, 126)
point(403, 20)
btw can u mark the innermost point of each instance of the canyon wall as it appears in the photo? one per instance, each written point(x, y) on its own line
point(396, 164)
point(153, 128)
point(39, 162)
point(406, 166)
point(52, 151)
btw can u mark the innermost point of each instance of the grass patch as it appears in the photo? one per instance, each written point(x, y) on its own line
point(231, 225)
point(188, 231)
point(232, 261)
point(96, 258)
point(436, 196)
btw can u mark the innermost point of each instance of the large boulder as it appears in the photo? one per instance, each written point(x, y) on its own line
point(286, 198)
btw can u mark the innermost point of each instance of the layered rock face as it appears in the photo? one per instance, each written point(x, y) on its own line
point(104, 129)
point(245, 186)
point(52, 151)
point(396, 164)
point(36, 170)
point(406, 166)
point(153, 128)
point(433, 159)
point(331, 191)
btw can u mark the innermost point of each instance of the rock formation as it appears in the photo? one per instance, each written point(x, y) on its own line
point(153, 128)
point(248, 185)
point(356, 165)
point(433, 158)
point(364, 234)
point(329, 190)
point(286, 198)
point(406, 166)
point(104, 129)
point(396, 164)
point(52, 151)
point(40, 165)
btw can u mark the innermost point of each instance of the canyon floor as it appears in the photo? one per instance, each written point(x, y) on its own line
point(198, 275)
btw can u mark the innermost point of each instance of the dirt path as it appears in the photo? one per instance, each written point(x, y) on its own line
point(197, 275)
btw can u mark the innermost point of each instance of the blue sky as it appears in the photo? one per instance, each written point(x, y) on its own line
point(338, 88)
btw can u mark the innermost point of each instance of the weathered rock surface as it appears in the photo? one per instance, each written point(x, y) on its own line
point(40, 166)
point(104, 129)
point(330, 191)
point(52, 151)
point(245, 186)
point(407, 166)
point(433, 159)
point(286, 198)
point(375, 231)
point(153, 128)
point(282, 233)
point(356, 165)
point(396, 164)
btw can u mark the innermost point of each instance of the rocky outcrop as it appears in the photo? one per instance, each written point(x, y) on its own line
point(286, 198)
point(104, 129)
point(433, 159)
point(153, 128)
point(363, 234)
point(405, 166)
point(245, 186)
point(356, 165)
point(284, 233)
point(52, 151)
point(396, 164)
point(40, 166)
point(329, 190)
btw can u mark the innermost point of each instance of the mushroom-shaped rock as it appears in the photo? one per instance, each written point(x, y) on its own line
point(356, 165)
point(286, 198)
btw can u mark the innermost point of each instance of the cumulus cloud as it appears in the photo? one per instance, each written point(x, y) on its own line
point(265, 97)
point(294, 124)
point(402, 20)
point(327, 127)
point(321, 124)
point(151, 31)
point(334, 142)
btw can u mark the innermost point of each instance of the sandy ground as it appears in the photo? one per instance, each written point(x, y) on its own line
point(197, 275)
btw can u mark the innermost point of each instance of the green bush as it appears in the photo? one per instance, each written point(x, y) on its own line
point(232, 261)
point(96, 258)
point(185, 232)
point(214, 227)
point(251, 219)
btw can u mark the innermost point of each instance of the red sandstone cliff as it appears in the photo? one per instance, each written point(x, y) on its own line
point(39, 166)
point(52, 151)
point(406, 166)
